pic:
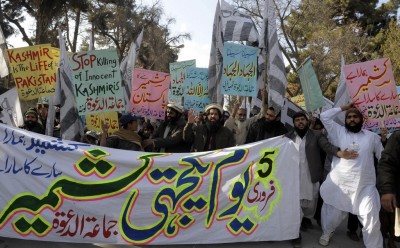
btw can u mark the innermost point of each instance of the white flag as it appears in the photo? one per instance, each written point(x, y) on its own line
point(127, 66)
point(3, 62)
point(342, 96)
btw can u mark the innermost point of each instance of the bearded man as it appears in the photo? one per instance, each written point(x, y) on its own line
point(350, 185)
point(267, 127)
point(239, 124)
point(31, 121)
point(209, 136)
point(310, 144)
point(169, 135)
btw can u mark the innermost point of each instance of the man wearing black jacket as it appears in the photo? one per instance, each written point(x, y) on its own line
point(267, 127)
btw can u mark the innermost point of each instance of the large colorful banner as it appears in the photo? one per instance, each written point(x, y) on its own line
point(196, 89)
point(372, 87)
point(178, 76)
point(149, 93)
point(97, 81)
point(34, 69)
point(239, 71)
point(64, 191)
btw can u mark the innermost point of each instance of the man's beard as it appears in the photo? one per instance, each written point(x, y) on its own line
point(213, 126)
point(301, 132)
point(29, 124)
point(268, 125)
point(172, 120)
point(241, 125)
point(354, 129)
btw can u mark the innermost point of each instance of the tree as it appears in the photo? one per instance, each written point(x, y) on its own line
point(119, 23)
point(390, 48)
point(116, 23)
point(324, 30)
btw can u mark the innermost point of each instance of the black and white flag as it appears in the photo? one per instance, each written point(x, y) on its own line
point(276, 72)
point(215, 63)
point(71, 123)
point(237, 26)
point(229, 25)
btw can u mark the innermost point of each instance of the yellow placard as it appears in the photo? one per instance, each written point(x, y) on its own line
point(34, 69)
point(300, 101)
point(94, 121)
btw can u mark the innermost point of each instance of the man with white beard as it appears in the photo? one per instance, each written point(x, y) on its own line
point(239, 124)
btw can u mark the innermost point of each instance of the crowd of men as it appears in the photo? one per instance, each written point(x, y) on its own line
point(336, 163)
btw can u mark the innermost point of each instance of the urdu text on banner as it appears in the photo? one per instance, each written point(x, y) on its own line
point(372, 87)
point(196, 89)
point(149, 93)
point(239, 71)
point(97, 81)
point(178, 76)
point(34, 69)
point(66, 191)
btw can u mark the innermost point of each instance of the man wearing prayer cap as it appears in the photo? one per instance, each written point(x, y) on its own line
point(126, 138)
point(169, 135)
point(31, 121)
point(209, 136)
point(310, 143)
point(351, 184)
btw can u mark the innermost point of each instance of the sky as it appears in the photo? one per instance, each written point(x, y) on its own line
point(192, 16)
point(195, 17)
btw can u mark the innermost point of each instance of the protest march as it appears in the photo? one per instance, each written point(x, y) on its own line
point(118, 154)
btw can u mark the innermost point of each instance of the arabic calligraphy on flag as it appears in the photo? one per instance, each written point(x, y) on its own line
point(97, 81)
point(239, 71)
point(372, 87)
point(196, 89)
point(34, 69)
point(150, 93)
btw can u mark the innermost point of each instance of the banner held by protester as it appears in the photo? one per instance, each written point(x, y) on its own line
point(196, 89)
point(239, 70)
point(178, 75)
point(310, 85)
point(97, 81)
point(372, 87)
point(34, 69)
point(65, 191)
point(150, 93)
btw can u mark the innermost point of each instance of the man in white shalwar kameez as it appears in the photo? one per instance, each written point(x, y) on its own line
point(351, 184)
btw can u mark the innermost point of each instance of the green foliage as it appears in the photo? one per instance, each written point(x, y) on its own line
point(325, 30)
point(390, 48)
point(115, 24)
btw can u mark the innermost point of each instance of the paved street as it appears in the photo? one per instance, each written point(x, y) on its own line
point(310, 240)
